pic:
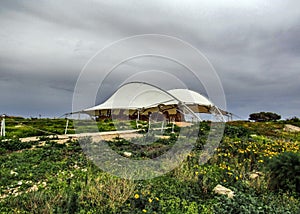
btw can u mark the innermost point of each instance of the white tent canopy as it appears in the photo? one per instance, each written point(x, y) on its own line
point(142, 97)
point(135, 96)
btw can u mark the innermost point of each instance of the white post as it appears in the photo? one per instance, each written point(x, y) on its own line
point(66, 129)
point(149, 124)
point(138, 118)
point(3, 126)
point(162, 126)
point(173, 125)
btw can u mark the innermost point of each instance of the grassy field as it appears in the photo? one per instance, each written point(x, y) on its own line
point(260, 162)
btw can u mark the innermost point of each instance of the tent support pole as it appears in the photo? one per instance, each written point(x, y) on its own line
point(138, 118)
point(66, 129)
point(149, 125)
point(222, 119)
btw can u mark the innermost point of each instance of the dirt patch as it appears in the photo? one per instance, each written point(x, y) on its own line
point(126, 136)
point(95, 136)
point(28, 139)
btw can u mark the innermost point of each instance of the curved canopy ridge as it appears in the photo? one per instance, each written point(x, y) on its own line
point(148, 98)
point(195, 101)
point(135, 96)
point(190, 97)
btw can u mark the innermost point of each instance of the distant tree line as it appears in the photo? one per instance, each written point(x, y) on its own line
point(293, 121)
point(264, 116)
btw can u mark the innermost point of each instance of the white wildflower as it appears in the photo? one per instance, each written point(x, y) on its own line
point(13, 173)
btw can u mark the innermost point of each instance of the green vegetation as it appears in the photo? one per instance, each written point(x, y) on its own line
point(17, 127)
point(285, 172)
point(258, 161)
point(264, 116)
point(293, 121)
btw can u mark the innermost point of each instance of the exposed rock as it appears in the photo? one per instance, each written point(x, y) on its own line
point(291, 128)
point(221, 190)
point(33, 188)
point(127, 154)
point(255, 175)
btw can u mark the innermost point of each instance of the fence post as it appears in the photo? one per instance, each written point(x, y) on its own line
point(66, 129)
point(3, 126)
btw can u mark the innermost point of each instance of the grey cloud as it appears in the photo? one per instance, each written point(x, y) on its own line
point(254, 46)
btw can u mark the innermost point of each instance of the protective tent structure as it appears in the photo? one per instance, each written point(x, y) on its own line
point(139, 100)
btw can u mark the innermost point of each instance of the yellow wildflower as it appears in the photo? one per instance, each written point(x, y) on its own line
point(136, 196)
point(144, 210)
point(150, 200)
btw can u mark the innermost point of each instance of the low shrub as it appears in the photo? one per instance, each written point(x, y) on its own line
point(236, 131)
point(285, 172)
point(14, 145)
point(250, 203)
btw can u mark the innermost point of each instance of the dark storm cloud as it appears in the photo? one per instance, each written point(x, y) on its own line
point(253, 45)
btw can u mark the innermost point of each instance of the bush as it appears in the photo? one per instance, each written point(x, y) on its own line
point(285, 172)
point(14, 145)
point(294, 121)
point(250, 203)
point(236, 131)
point(264, 116)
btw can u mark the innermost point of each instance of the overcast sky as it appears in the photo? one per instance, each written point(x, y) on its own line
point(254, 46)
